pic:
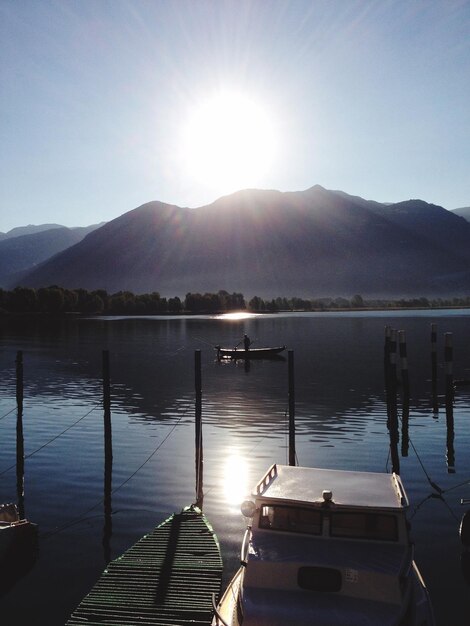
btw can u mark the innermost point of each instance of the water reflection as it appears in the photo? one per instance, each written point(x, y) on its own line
point(341, 422)
point(235, 480)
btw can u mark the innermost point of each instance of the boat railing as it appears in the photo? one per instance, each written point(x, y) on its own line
point(220, 619)
point(245, 546)
point(400, 491)
point(266, 480)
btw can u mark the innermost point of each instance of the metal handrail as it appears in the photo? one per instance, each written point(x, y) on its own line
point(216, 612)
point(245, 546)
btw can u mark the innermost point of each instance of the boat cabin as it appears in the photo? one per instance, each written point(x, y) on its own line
point(326, 543)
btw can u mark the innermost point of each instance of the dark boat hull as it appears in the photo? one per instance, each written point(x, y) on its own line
point(252, 353)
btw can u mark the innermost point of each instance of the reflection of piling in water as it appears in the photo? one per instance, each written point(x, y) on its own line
point(108, 459)
point(198, 429)
point(435, 405)
point(405, 379)
point(20, 463)
point(450, 438)
point(291, 407)
point(448, 361)
point(387, 359)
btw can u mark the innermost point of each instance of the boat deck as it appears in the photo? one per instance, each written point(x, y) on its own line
point(168, 577)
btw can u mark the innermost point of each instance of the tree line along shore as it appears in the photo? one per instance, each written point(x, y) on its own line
point(57, 300)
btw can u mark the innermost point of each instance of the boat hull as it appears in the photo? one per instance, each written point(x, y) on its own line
point(419, 612)
point(252, 353)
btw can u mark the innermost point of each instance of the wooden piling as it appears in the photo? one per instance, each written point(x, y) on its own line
point(106, 380)
point(448, 361)
point(108, 458)
point(405, 392)
point(198, 429)
point(435, 405)
point(392, 399)
point(291, 408)
point(108, 445)
point(19, 379)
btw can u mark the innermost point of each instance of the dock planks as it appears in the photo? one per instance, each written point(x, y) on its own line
point(167, 578)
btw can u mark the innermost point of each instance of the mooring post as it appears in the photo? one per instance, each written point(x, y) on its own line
point(19, 379)
point(448, 360)
point(108, 447)
point(106, 380)
point(199, 452)
point(406, 392)
point(393, 411)
point(435, 406)
point(291, 408)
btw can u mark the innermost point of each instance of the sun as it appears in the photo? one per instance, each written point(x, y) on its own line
point(228, 142)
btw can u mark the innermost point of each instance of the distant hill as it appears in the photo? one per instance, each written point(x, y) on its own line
point(463, 212)
point(31, 229)
point(309, 243)
point(25, 251)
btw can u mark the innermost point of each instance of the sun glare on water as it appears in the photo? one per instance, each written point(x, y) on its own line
point(228, 142)
point(235, 479)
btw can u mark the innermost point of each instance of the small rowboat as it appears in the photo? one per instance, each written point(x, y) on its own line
point(252, 353)
point(15, 533)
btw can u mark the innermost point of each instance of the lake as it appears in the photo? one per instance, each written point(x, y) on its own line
point(341, 422)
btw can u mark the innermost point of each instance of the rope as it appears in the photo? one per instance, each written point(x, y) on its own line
point(433, 484)
point(83, 517)
point(13, 409)
point(28, 456)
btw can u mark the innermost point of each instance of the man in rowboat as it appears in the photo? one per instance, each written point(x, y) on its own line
point(246, 342)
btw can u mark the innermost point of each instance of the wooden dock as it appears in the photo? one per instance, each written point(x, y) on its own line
point(167, 578)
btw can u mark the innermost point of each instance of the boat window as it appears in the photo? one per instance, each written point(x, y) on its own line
point(292, 519)
point(319, 579)
point(379, 526)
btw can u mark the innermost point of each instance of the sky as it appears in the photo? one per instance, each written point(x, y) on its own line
point(108, 104)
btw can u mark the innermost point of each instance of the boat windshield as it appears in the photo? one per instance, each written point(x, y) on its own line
point(348, 524)
point(287, 518)
point(378, 526)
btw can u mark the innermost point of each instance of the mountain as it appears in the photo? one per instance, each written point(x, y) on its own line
point(31, 229)
point(463, 212)
point(23, 252)
point(307, 243)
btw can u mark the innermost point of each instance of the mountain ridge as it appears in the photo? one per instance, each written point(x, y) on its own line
point(270, 243)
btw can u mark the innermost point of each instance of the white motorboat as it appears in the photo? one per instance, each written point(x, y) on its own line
point(326, 548)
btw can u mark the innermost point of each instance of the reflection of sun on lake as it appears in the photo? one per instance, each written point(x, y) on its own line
point(238, 315)
point(235, 480)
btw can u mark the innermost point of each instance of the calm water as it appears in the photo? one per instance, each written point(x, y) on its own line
point(341, 423)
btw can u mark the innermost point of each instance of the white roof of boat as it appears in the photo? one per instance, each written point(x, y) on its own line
point(349, 488)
